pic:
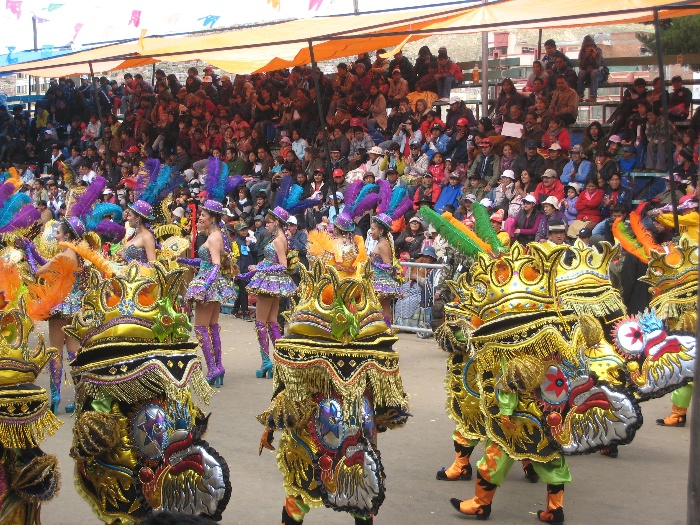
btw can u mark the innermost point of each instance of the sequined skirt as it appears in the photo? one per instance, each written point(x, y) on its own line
point(271, 284)
point(221, 290)
point(69, 307)
point(385, 285)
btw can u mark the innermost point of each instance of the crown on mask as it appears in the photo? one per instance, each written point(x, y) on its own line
point(673, 276)
point(351, 312)
point(583, 283)
point(517, 283)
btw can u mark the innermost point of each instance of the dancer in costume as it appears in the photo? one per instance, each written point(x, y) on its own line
point(138, 437)
point(270, 280)
point(269, 283)
point(210, 289)
point(336, 387)
point(386, 277)
point(140, 246)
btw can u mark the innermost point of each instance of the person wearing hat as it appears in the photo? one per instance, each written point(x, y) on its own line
point(529, 160)
point(568, 205)
point(210, 288)
point(686, 168)
point(527, 223)
point(555, 159)
point(69, 230)
point(550, 185)
point(551, 209)
point(386, 273)
point(411, 239)
point(497, 219)
point(140, 244)
point(248, 253)
point(665, 197)
point(417, 162)
point(448, 73)
point(464, 213)
point(577, 169)
point(427, 192)
point(504, 191)
point(270, 282)
point(688, 220)
point(557, 232)
point(436, 141)
point(679, 100)
point(458, 146)
point(450, 193)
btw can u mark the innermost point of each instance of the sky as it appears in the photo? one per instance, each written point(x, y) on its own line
point(83, 22)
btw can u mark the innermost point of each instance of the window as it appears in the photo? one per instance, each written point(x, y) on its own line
point(528, 50)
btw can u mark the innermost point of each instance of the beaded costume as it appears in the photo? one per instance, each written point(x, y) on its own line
point(384, 278)
point(336, 386)
point(271, 277)
point(134, 253)
point(138, 436)
point(219, 291)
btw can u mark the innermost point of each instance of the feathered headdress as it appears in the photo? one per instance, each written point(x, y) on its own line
point(110, 231)
point(364, 200)
point(217, 181)
point(484, 230)
point(83, 205)
point(454, 235)
point(12, 206)
point(394, 203)
point(289, 195)
point(100, 210)
point(628, 241)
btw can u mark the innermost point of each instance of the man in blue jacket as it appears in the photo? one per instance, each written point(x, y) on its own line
point(451, 192)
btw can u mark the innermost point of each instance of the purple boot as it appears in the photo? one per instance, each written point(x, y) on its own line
point(215, 331)
point(207, 350)
point(56, 373)
point(266, 368)
point(275, 332)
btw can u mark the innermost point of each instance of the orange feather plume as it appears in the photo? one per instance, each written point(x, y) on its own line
point(14, 178)
point(52, 288)
point(96, 259)
point(642, 234)
point(10, 283)
point(628, 241)
point(466, 231)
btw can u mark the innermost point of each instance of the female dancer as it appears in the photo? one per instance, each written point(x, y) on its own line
point(270, 283)
point(141, 245)
point(209, 289)
point(69, 230)
point(385, 277)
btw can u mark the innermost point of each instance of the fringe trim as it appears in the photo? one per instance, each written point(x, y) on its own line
point(302, 383)
point(599, 306)
point(26, 434)
point(151, 383)
point(284, 413)
point(673, 308)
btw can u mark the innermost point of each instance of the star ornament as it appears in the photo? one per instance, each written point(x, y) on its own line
point(154, 428)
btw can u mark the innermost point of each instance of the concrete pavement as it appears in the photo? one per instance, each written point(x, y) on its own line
point(645, 485)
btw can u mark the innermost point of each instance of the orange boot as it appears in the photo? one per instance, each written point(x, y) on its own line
point(555, 506)
point(460, 468)
point(480, 504)
point(676, 419)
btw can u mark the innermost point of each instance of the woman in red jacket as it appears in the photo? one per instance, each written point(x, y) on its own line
point(589, 202)
point(557, 134)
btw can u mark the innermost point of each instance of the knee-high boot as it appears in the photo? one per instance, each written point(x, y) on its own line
point(275, 332)
point(215, 332)
point(480, 505)
point(294, 510)
point(207, 351)
point(460, 468)
point(266, 367)
point(70, 407)
point(555, 505)
point(56, 373)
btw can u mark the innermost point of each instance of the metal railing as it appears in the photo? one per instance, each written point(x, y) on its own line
point(412, 313)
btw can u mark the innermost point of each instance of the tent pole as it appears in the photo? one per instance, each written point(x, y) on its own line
point(485, 72)
point(326, 147)
point(538, 54)
point(693, 471)
point(99, 110)
point(667, 129)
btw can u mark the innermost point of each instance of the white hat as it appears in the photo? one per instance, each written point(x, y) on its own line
point(555, 146)
point(486, 202)
point(615, 138)
point(292, 220)
point(530, 198)
point(470, 197)
point(509, 174)
point(108, 191)
point(189, 174)
point(454, 100)
point(339, 196)
point(376, 150)
point(83, 77)
point(206, 79)
point(576, 186)
point(553, 201)
point(550, 173)
point(179, 212)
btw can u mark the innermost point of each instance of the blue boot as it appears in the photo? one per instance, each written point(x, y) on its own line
point(266, 369)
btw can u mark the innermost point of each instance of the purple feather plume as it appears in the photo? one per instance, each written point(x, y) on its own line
point(233, 182)
point(369, 202)
point(384, 195)
point(402, 208)
point(6, 191)
point(353, 191)
point(174, 182)
point(27, 216)
point(153, 167)
point(110, 231)
point(282, 193)
point(83, 205)
point(211, 177)
point(301, 206)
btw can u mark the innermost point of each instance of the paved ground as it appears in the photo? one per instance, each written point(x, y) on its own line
point(646, 485)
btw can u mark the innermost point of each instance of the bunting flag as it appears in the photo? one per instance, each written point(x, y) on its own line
point(39, 20)
point(209, 20)
point(52, 7)
point(15, 7)
point(11, 60)
point(173, 19)
point(143, 35)
point(77, 29)
point(135, 18)
point(275, 4)
point(315, 3)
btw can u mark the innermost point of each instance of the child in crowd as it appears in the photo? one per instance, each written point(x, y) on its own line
point(569, 203)
point(437, 168)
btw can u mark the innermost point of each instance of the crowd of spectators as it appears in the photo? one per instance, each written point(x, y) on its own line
point(383, 119)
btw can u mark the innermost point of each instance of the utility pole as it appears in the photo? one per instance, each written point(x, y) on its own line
point(356, 6)
point(36, 79)
point(485, 72)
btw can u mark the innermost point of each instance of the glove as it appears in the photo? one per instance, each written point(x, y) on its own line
point(266, 440)
point(211, 276)
point(34, 259)
point(189, 262)
point(200, 290)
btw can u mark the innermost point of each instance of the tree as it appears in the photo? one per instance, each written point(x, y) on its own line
point(679, 36)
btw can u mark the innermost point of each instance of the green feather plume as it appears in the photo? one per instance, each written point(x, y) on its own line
point(456, 238)
point(483, 228)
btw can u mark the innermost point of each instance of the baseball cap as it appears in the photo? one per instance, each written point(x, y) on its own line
point(550, 173)
point(676, 78)
point(555, 146)
point(133, 149)
point(455, 100)
point(462, 122)
point(429, 251)
point(509, 174)
point(206, 79)
point(486, 141)
point(259, 218)
point(469, 197)
point(577, 149)
point(498, 216)
point(531, 144)
point(436, 126)
point(292, 220)
point(339, 196)
point(414, 142)
point(615, 138)
point(585, 233)
point(530, 198)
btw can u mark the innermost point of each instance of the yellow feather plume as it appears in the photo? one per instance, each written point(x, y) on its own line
point(14, 178)
point(466, 231)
